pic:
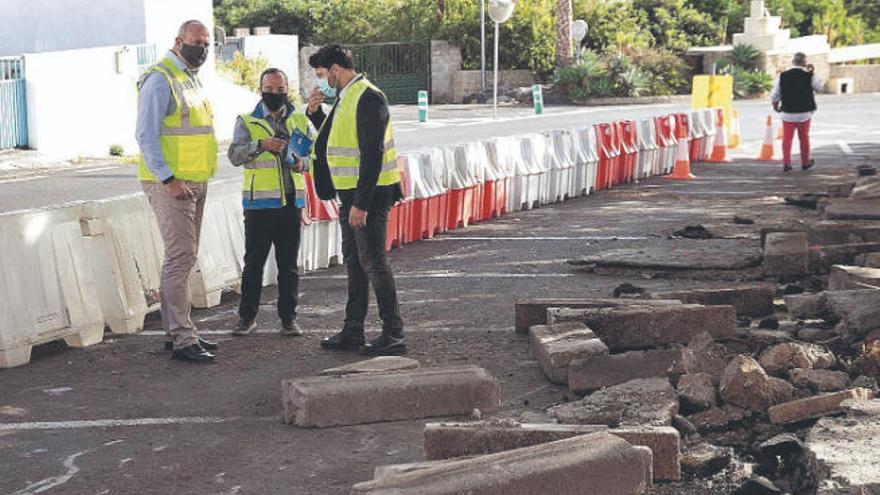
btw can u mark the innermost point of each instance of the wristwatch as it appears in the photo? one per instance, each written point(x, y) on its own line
point(168, 180)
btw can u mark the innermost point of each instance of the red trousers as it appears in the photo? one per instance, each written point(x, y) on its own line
point(803, 130)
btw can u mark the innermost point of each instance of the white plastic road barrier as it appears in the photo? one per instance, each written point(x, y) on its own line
point(125, 253)
point(708, 121)
point(46, 282)
point(536, 185)
point(563, 149)
point(505, 155)
point(649, 155)
point(477, 159)
point(556, 169)
point(586, 159)
point(221, 245)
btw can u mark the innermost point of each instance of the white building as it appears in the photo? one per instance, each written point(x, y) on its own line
point(81, 68)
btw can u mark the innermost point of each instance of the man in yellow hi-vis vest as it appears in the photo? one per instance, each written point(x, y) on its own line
point(175, 132)
point(273, 193)
point(355, 158)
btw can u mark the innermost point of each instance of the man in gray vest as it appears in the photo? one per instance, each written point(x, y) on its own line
point(794, 96)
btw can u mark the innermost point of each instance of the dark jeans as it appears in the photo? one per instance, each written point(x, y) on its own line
point(263, 229)
point(367, 264)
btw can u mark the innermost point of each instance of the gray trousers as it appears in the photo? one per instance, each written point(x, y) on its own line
point(180, 223)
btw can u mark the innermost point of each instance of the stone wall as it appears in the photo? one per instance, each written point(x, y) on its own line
point(445, 63)
point(467, 82)
point(775, 64)
point(866, 78)
point(307, 79)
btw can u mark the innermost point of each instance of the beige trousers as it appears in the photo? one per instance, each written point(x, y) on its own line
point(180, 222)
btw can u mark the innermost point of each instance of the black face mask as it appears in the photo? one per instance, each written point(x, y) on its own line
point(274, 101)
point(194, 55)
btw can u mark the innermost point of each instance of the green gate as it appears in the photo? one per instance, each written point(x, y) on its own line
point(400, 70)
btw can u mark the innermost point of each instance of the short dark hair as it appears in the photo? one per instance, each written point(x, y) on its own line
point(273, 70)
point(331, 54)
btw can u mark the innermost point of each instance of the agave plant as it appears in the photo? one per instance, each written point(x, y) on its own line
point(634, 82)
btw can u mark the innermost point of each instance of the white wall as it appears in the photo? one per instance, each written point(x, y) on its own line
point(78, 105)
point(281, 50)
point(33, 26)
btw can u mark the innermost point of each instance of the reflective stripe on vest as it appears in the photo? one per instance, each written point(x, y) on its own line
point(263, 185)
point(343, 150)
point(187, 135)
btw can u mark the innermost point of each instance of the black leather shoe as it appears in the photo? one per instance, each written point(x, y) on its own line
point(244, 327)
point(289, 328)
point(384, 345)
point(343, 341)
point(206, 345)
point(811, 164)
point(193, 354)
point(786, 168)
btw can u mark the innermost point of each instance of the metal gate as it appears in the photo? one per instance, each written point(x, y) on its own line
point(13, 105)
point(400, 70)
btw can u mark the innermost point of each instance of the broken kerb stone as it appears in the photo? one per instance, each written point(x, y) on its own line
point(592, 373)
point(702, 355)
point(829, 232)
point(745, 384)
point(853, 278)
point(319, 402)
point(679, 255)
point(381, 364)
point(819, 380)
point(530, 312)
point(783, 357)
point(786, 254)
point(450, 440)
point(642, 402)
point(853, 209)
point(643, 327)
point(601, 461)
point(697, 392)
point(823, 258)
point(859, 310)
point(815, 407)
point(752, 301)
point(556, 346)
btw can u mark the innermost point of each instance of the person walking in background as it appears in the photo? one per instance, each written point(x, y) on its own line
point(356, 158)
point(175, 133)
point(273, 193)
point(794, 95)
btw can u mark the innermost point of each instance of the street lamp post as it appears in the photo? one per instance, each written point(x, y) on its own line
point(500, 11)
point(482, 47)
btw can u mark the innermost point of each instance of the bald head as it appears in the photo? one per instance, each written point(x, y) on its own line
point(192, 42)
point(800, 59)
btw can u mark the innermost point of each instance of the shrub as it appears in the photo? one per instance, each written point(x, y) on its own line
point(244, 71)
point(117, 150)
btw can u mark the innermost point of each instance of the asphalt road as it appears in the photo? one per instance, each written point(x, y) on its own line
point(846, 119)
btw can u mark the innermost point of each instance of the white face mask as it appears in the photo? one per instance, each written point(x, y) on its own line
point(324, 86)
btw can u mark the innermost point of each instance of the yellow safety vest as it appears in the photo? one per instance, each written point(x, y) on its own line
point(343, 152)
point(187, 136)
point(263, 185)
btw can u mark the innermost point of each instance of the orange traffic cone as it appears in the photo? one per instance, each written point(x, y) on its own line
point(767, 148)
point(682, 169)
point(719, 150)
point(734, 131)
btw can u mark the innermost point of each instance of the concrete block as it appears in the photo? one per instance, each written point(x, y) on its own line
point(530, 312)
point(749, 301)
point(599, 371)
point(853, 209)
point(641, 327)
point(823, 258)
point(642, 402)
point(368, 398)
point(381, 364)
point(786, 254)
point(601, 461)
point(833, 232)
point(449, 440)
point(815, 407)
point(697, 392)
point(859, 310)
point(555, 346)
point(807, 306)
point(853, 278)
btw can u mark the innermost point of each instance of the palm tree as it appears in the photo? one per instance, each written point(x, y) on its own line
point(563, 33)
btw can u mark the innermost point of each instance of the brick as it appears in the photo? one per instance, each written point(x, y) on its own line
point(853, 278)
point(449, 440)
point(641, 327)
point(601, 461)
point(595, 372)
point(749, 301)
point(555, 346)
point(815, 407)
point(530, 312)
point(381, 364)
point(368, 398)
point(786, 254)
